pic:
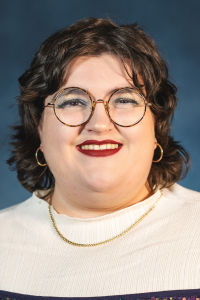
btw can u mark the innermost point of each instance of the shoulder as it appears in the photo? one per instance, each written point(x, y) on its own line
point(16, 209)
point(181, 203)
point(12, 216)
point(179, 192)
point(22, 216)
point(11, 211)
point(31, 205)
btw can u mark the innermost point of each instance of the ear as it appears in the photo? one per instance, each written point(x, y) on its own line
point(155, 146)
point(39, 130)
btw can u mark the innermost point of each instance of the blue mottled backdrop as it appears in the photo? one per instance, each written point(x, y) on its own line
point(175, 26)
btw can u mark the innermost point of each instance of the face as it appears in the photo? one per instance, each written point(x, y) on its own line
point(128, 168)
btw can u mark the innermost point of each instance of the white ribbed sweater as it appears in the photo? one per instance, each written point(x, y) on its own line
point(161, 253)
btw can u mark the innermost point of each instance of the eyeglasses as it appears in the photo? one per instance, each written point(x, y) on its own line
point(73, 106)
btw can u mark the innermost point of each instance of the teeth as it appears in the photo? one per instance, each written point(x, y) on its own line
point(100, 147)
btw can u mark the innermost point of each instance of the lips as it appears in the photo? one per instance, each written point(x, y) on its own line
point(100, 152)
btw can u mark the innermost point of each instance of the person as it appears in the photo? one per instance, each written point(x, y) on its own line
point(107, 218)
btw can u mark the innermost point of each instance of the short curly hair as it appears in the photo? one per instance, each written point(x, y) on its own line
point(95, 36)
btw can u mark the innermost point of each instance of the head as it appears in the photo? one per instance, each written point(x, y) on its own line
point(79, 56)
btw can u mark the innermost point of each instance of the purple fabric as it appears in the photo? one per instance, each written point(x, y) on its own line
point(193, 294)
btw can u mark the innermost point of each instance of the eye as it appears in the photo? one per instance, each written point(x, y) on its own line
point(126, 101)
point(63, 103)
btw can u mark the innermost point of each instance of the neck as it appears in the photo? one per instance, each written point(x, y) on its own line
point(83, 204)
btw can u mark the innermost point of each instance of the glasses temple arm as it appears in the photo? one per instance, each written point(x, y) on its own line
point(48, 104)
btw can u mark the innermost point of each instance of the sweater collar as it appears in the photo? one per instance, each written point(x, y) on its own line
point(95, 230)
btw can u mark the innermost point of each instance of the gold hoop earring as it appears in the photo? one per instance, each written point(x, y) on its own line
point(161, 153)
point(36, 153)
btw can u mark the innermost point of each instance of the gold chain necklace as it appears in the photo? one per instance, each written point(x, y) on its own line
point(106, 241)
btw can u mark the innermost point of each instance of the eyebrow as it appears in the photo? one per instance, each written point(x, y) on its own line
point(80, 91)
point(125, 91)
point(71, 90)
point(128, 87)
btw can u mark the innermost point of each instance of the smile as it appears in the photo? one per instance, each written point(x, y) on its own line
point(99, 148)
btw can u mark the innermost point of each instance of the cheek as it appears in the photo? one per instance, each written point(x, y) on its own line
point(57, 139)
point(141, 139)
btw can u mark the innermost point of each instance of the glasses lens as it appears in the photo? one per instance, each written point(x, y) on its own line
point(73, 106)
point(126, 107)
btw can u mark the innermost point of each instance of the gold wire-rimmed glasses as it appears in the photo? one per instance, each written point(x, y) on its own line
point(74, 106)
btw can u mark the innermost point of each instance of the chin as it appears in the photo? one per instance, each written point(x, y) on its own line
point(101, 183)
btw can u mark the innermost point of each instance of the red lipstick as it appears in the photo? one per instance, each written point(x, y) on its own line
point(99, 153)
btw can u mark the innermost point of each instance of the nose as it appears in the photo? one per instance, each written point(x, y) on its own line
point(100, 120)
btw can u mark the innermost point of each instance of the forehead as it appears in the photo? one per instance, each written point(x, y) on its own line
point(98, 75)
point(103, 72)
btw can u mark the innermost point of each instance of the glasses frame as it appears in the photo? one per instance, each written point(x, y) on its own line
point(94, 102)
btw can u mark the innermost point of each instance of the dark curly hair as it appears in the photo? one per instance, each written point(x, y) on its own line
point(94, 36)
